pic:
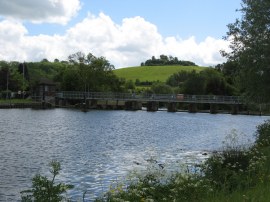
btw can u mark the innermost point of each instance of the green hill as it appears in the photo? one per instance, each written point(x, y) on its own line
point(152, 73)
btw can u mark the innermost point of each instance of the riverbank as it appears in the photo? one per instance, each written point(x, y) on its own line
point(23, 103)
point(19, 105)
point(235, 174)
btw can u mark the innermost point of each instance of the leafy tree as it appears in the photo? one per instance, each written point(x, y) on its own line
point(195, 85)
point(215, 83)
point(10, 78)
point(70, 80)
point(137, 82)
point(95, 73)
point(161, 88)
point(130, 85)
point(23, 69)
point(45, 60)
point(250, 45)
point(208, 81)
point(230, 70)
point(45, 190)
point(177, 79)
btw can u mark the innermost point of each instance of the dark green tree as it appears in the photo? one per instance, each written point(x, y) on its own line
point(177, 79)
point(161, 88)
point(95, 73)
point(215, 83)
point(70, 80)
point(129, 85)
point(10, 78)
point(249, 40)
point(195, 85)
point(23, 69)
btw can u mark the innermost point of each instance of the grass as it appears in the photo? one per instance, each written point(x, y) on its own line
point(152, 73)
point(13, 101)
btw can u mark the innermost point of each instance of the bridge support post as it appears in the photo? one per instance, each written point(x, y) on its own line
point(172, 107)
point(56, 101)
point(235, 109)
point(133, 105)
point(213, 108)
point(192, 108)
point(88, 102)
point(102, 104)
point(152, 106)
point(112, 104)
point(63, 102)
point(120, 104)
point(93, 104)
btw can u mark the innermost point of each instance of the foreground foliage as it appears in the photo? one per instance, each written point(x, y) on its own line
point(45, 190)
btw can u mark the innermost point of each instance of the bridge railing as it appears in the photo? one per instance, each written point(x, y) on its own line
point(151, 97)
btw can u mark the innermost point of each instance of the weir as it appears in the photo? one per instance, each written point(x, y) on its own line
point(132, 101)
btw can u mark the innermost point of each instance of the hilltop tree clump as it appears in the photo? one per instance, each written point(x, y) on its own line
point(166, 60)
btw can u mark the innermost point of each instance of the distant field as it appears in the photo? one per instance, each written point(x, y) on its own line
point(152, 73)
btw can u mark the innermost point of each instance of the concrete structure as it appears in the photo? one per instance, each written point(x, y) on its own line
point(129, 101)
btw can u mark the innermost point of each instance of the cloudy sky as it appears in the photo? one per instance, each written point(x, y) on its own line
point(126, 32)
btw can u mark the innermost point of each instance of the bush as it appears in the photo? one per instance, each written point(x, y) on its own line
point(45, 190)
point(263, 134)
point(236, 167)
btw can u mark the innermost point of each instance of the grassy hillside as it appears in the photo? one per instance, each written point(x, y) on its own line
point(152, 73)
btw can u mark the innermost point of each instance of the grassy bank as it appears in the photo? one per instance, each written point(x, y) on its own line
point(152, 73)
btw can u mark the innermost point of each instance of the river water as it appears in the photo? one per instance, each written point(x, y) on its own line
point(100, 147)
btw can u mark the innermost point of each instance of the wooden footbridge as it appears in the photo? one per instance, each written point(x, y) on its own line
point(132, 101)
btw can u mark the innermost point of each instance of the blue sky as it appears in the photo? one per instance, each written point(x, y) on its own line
point(200, 18)
point(188, 29)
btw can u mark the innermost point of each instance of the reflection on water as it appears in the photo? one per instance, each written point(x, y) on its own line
point(97, 147)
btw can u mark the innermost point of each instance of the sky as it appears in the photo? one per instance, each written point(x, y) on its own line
point(126, 32)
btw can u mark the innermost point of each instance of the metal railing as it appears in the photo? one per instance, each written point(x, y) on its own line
point(150, 97)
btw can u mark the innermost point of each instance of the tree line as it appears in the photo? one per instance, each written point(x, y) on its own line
point(79, 72)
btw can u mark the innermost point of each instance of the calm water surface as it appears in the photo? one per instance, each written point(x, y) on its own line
point(98, 147)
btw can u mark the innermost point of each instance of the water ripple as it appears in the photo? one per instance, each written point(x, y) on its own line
point(99, 147)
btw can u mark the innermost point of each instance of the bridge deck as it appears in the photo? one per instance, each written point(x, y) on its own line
point(180, 98)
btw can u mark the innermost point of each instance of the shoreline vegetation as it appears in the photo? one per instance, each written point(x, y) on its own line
point(236, 173)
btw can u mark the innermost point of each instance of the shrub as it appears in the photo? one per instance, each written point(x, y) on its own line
point(45, 190)
point(263, 134)
point(235, 167)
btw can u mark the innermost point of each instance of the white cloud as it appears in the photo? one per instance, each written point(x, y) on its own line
point(127, 44)
point(52, 11)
